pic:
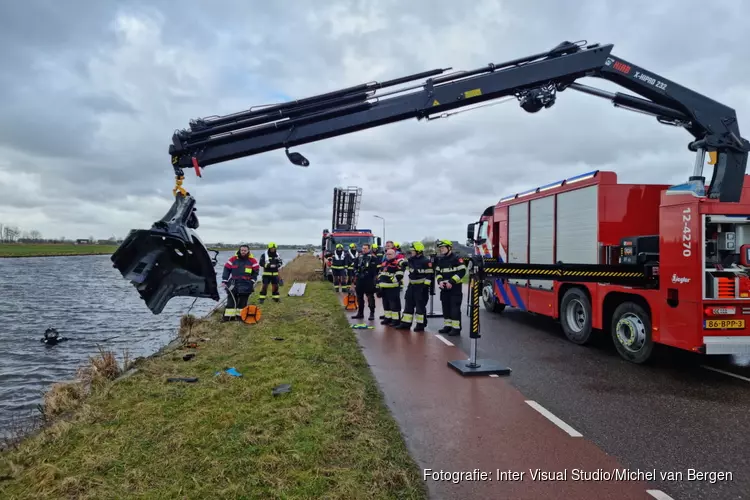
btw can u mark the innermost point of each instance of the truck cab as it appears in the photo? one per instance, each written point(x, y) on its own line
point(330, 239)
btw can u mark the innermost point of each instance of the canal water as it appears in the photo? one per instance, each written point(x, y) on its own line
point(86, 300)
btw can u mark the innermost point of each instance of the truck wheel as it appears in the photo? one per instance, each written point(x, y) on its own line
point(575, 316)
point(490, 301)
point(631, 332)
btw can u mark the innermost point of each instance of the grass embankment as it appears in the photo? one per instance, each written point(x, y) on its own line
point(52, 249)
point(331, 436)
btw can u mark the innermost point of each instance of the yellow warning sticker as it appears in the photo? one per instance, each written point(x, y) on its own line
point(435, 103)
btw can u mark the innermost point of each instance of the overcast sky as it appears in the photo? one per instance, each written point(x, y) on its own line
point(91, 93)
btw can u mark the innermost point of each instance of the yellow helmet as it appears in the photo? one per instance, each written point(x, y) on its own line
point(352, 245)
point(445, 243)
point(272, 245)
point(339, 245)
point(374, 246)
point(397, 245)
point(418, 246)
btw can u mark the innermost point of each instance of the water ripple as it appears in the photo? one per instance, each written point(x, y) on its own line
point(87, 300)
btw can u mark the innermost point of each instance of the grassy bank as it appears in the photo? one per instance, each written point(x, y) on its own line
point(227, 437)
point(52, 249)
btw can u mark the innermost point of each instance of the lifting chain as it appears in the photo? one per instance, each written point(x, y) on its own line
point(178, 186)
point(179, 176)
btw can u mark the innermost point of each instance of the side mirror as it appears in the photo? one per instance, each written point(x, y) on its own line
point(379, 241)
point(470, 233)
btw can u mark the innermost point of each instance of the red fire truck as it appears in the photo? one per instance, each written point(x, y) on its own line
point(700, 246)
point(653, 264)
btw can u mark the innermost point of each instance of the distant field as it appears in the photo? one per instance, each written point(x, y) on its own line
point(52, 249)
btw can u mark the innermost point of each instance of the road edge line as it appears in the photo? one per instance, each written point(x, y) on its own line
point(444, 340)
point(659, 495)
point(554, 419)
point(724, 372)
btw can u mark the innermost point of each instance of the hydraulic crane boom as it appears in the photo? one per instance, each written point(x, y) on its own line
point(534, 80)
point(170, 260)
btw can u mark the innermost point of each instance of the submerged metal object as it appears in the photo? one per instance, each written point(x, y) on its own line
point(169, 260)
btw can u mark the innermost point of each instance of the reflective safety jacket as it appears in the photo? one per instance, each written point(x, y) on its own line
point(339, 260)
point(420, 270)
point(366, 267)
point(391, 274)
point(451, 268)
point(270, 264)
point(352, 258)
point(242, 272)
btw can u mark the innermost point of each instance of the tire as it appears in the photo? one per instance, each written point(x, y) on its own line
point(631, 333)
point(490, 301)
point(575, 316)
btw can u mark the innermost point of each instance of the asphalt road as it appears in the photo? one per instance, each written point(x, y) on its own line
point(672, 415)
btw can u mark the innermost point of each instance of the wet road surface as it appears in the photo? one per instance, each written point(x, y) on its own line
point(86, 300)
point(672, 416)
point(483, 426)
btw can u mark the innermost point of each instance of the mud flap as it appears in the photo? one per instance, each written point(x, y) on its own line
point(169, 260)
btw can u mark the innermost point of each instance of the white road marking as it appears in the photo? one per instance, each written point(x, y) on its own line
point(494, 375)
point(552, 418)
point(444, 340)
point(730, 374)
point(659, 495)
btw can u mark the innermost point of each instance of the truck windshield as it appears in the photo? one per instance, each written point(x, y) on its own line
point(347, 240)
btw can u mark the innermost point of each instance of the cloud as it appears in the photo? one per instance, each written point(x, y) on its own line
point(92, 93)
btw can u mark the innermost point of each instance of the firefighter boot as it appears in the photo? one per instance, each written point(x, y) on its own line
point(445, 330)
point(372, 315)
point(419, 327)
point(359, 315)
point(405, 323)
point(455, 328)
point(387, 319)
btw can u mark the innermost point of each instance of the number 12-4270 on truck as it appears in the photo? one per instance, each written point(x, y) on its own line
point(697, 250)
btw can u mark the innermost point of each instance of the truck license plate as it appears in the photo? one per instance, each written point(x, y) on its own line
point(724, 324)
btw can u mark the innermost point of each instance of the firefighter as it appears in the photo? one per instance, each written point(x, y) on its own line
point(352, 255)
point(389, 281)
point(418, 291)
point(388, 246)
point(450, 270)
point(270, 262)
point(365, 274)
point(397, 248)
point(239, 277)
point(339, 265)
point(378, 251)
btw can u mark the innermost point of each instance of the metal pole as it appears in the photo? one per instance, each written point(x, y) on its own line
point(474, 366)
point(473, 354)
point(383, 219)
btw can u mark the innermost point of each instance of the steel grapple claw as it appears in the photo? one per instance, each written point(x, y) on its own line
point(169, 260)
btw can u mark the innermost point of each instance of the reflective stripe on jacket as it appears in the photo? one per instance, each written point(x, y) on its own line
point(391, 274)
point(266, 261)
